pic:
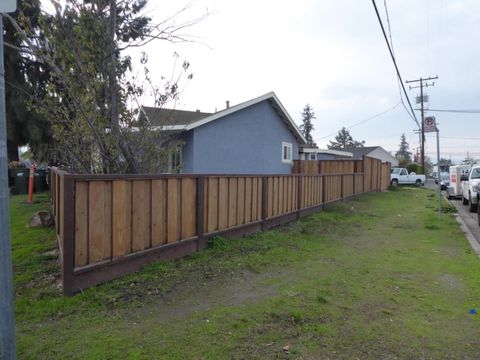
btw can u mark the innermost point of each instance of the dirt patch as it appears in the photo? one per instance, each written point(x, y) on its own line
point(451, 282)
point(233, 289)
point(450, 251)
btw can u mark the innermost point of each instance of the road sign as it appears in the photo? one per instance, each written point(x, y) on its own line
point(8, 6)
point(429, 124)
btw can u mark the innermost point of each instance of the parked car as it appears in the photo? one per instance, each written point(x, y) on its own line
point(444, 180)
point(400, 176)
point(469, 188)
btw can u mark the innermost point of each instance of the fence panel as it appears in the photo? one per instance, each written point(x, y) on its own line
point(116, 223)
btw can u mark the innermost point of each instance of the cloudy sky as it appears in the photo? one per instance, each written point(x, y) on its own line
point(332, 55)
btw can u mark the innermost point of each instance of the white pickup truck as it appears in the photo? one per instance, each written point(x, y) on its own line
point(400, 176)
point(469, 188)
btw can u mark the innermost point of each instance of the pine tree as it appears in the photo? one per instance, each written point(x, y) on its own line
point(23, 77)
point(307, 126)
point(403, 153)
point(344, 140)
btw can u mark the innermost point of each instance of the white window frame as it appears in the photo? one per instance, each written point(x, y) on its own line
point(289, 146)
point(177, 151)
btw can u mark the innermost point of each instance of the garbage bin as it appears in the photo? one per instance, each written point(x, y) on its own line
point(21, 180)
point(40, 180)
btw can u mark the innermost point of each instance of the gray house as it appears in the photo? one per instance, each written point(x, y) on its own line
point(376, 152)
point(254, 137)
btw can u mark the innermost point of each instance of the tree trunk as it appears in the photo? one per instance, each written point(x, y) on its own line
point(114, 119)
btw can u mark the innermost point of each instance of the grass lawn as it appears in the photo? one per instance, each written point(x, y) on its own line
point(376, 277)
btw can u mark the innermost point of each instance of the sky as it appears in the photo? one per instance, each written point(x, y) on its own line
point(332, 55)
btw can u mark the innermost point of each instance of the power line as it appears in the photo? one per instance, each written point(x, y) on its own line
point(395, 62)
point(363, 121)
point(399, 83)
point(455, 111)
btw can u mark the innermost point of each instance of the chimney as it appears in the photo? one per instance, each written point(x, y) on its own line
point(227, 104)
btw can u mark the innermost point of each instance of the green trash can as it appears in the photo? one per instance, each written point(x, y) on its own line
point(21, 180)
point(40, 180)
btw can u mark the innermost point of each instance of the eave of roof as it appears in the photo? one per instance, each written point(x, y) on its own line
point(273, 100)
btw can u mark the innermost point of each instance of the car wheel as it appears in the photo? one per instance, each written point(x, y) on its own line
point(394, 182)
point(418, 182)
point(464, 201)
point(472, 207)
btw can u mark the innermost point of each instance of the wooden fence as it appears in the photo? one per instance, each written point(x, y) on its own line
point(110, 225)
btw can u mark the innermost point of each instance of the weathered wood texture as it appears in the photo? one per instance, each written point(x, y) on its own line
point(117, 217)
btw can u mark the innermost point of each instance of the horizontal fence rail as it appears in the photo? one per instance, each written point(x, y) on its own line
point(110, 225)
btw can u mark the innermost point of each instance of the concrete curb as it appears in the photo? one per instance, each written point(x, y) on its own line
point(468, 234)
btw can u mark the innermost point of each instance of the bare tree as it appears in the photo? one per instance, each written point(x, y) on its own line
point(92, 97)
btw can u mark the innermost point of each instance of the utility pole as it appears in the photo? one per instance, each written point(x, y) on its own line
point(423, 82)
point(7, 317)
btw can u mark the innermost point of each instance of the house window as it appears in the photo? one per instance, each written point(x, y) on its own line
point(287, 152)
point(312, 156)
point(175, 160)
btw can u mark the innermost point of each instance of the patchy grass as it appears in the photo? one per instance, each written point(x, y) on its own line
point(378, 277)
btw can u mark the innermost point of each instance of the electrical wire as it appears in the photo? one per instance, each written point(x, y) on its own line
point(454, 111)
point(362, 122)
point(399, 83)
point(395, 62)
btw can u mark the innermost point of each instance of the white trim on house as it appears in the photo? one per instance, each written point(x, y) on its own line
point(288, 159)
point(326, 151)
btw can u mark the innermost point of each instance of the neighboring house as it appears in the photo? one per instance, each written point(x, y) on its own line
point(254, 137)
point(309, 152)
point(376, 152)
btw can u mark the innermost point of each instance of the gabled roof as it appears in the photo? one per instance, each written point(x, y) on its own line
point(188, 120)
point(358, 152)
point(169, 117)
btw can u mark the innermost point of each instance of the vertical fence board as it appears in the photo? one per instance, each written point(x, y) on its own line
point(141, 216)
point(259, 198)
point(254, 199)
point(232, 201)
point(188, 208)
point(275, 196)
point(270, 196)
point(81, 223)
point(121, 217)
point(241, 201)
point(159, 212)
point(213, 202)
point(222, 203)
point(173, 210)
point(248, 200)
point(99, 221)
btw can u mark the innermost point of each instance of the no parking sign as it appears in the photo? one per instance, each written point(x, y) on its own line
point(429, 124)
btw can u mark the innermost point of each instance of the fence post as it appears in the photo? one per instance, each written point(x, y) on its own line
point(200, 212)
point(299, 195)
point(68, 240)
